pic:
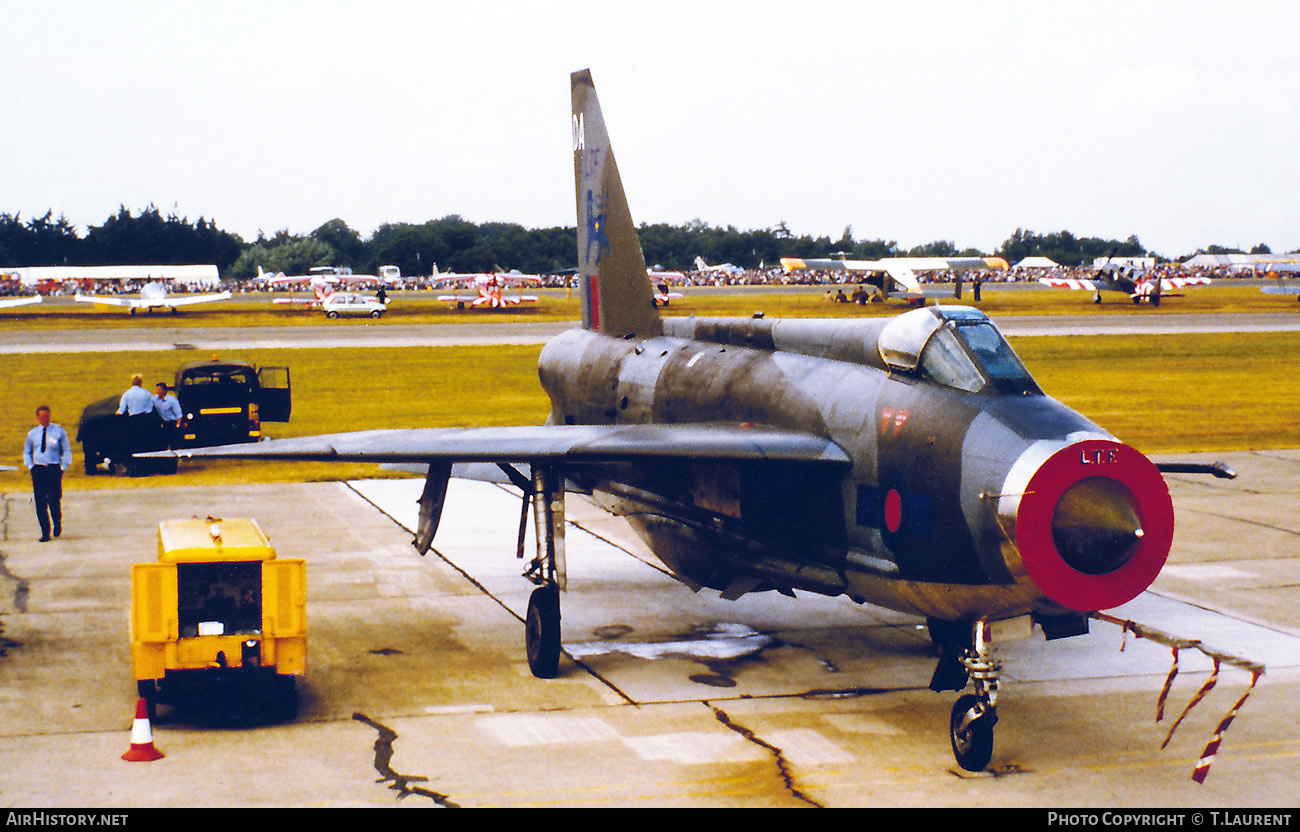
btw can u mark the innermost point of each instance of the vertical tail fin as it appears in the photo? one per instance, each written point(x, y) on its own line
point(617, 298)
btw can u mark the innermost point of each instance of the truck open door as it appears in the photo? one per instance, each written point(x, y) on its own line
point(277, 394)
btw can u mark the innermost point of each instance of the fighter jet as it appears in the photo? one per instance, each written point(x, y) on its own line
point(8, 303)
point(909, 462)
point(721, 268)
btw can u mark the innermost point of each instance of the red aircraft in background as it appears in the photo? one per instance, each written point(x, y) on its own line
point(491, 288)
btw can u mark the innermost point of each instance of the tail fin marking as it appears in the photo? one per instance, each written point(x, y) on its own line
point(617, 298)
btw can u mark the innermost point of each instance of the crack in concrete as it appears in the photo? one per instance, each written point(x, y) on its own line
point(401, 783)
point(778, 756)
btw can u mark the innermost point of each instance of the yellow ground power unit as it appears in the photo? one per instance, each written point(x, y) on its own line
point(219, 608)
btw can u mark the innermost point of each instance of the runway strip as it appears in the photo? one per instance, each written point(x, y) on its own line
point(330, 335)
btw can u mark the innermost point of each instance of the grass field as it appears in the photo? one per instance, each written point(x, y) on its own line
point(422, 307)
point(1159, 393)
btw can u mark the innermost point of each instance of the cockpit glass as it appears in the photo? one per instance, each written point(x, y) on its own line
point(973, 356)
point(945, 361)
point(992, 350)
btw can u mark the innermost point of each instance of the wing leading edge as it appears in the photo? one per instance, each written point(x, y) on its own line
point(569, 444)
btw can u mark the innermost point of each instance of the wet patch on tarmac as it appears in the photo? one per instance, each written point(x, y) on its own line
point(722, 648)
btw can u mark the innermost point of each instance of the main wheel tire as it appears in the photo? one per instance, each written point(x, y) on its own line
point(542, 632)
point(972, 745)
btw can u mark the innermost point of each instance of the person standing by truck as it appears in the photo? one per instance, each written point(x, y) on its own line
point(136, 400)
point(142, 423)
point(168, 408)
point(47, 453)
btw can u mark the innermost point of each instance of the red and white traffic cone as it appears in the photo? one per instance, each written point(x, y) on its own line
point(141, 750)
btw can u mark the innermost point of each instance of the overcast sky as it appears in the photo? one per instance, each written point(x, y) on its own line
point(909, 121)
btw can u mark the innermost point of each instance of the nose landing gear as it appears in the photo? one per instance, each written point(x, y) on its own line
point(974, 714)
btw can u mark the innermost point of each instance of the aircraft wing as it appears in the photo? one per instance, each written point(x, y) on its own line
point(1290, 289)
point(452, 277)
point(542, 443)
point(1167, 283)
point(103, 300)
point(282, 279)
point(1068, 283)
point(517, 277)
point(8, 302)
point(190, 300)
point(510, 299)
point(480, 300)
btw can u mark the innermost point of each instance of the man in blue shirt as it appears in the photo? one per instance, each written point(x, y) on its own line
point(168, 408)
point(136, 405)
point(48, 453)
point(136, 400)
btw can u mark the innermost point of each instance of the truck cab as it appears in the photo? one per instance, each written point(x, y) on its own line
point(225, 401)
point(219, 609)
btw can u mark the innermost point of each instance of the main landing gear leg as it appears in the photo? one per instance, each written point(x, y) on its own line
point(975, 714)
point(547, 571)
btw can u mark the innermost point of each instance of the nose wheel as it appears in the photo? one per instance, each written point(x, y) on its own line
point(971, 730)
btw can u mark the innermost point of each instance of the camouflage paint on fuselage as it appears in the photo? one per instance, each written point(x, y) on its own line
point(918, 509)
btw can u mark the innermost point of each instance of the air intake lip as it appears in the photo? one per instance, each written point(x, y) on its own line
point(1094, 525)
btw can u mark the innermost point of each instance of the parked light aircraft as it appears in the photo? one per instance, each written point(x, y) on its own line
point(491, 288)
point(153, 296)
point(7, 303)
point(662, 282)
point(724, 268)
point(321, 280)
point(909, 462)
point(888, 274)
point(1138, 285)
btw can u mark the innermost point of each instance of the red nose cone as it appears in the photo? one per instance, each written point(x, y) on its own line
point(1095, 525)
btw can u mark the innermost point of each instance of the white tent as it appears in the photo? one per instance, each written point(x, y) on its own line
point(1037, 263)
point(1237, 261)
point(191, 276)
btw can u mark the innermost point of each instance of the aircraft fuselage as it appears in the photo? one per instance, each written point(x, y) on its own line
point(927, 518)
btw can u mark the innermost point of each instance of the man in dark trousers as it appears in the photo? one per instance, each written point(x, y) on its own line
point(48, 453)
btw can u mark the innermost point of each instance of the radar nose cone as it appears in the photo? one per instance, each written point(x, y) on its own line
point(1096, 527)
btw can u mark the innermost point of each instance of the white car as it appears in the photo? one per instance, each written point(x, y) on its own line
point(351, 303)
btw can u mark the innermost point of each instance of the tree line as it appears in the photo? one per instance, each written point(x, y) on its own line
point(458, 245)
